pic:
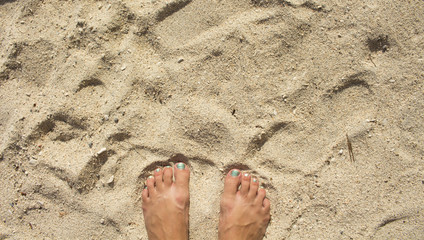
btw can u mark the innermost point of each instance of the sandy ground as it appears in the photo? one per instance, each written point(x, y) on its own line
point(95, 94)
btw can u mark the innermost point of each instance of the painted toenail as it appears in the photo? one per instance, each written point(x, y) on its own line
point(167, 166)
point(261, 187)
point(157, 169)
point(246, 174)
point(235, 173)
point(180, 165)
point(150, 177)
point(255, 180)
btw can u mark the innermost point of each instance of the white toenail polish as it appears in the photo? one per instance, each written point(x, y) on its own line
point(150, 177)
point(246, 174)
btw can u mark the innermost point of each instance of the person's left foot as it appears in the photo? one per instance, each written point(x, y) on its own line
point(166, 203)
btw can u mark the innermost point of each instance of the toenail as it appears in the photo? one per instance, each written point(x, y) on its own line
point(180, 165)
point(261, 187)
point(167, 166)
point(255, 180)
point(157, 169)
point(150, 177)
point(246, 174)
point(235, 173)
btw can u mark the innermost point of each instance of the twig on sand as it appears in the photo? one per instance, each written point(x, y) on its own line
point(349, 147)
point(370, 58)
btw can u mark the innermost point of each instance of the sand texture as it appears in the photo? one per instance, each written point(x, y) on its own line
point(94, 95)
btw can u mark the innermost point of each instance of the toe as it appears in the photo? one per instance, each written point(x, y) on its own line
point(167, 176)
point(158, 174)
point(150, 183)
point(245, 184)
point(232, 182)
point(266, 205)
point(253, 190)
point(182, 175)
point(260, 197)
point(145, 195)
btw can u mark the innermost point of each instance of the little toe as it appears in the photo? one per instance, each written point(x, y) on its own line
point(167, 176)
point(159, 179)
point(253, 190)
point(145, 195)
point(232, 182)
point(245, 184)
point(260, 196)
point(266, 205)
point(182, 175)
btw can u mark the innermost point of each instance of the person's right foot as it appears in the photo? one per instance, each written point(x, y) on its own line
point(245, 213)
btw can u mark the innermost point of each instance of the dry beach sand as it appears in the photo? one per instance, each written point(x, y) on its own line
point(95, 94)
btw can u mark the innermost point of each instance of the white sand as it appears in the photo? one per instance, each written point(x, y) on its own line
point(270, 86)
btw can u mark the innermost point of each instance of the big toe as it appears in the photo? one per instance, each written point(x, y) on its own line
point(232, 182)
point(182, 175)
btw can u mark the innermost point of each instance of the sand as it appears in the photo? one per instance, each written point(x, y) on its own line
point(96, 94)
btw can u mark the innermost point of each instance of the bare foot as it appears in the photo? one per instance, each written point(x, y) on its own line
point(166, 203)
point(245, 213)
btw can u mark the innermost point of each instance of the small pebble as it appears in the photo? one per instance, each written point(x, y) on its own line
point(385, 47)
point(392, 81)
point(341, 152)
point(111, 179)
point(90, 144)
point(123, 68)
point(101, 151)
point(116, 120)
point(102, 221)
point(180, 60)
point(33, 162)
point(106, 117)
